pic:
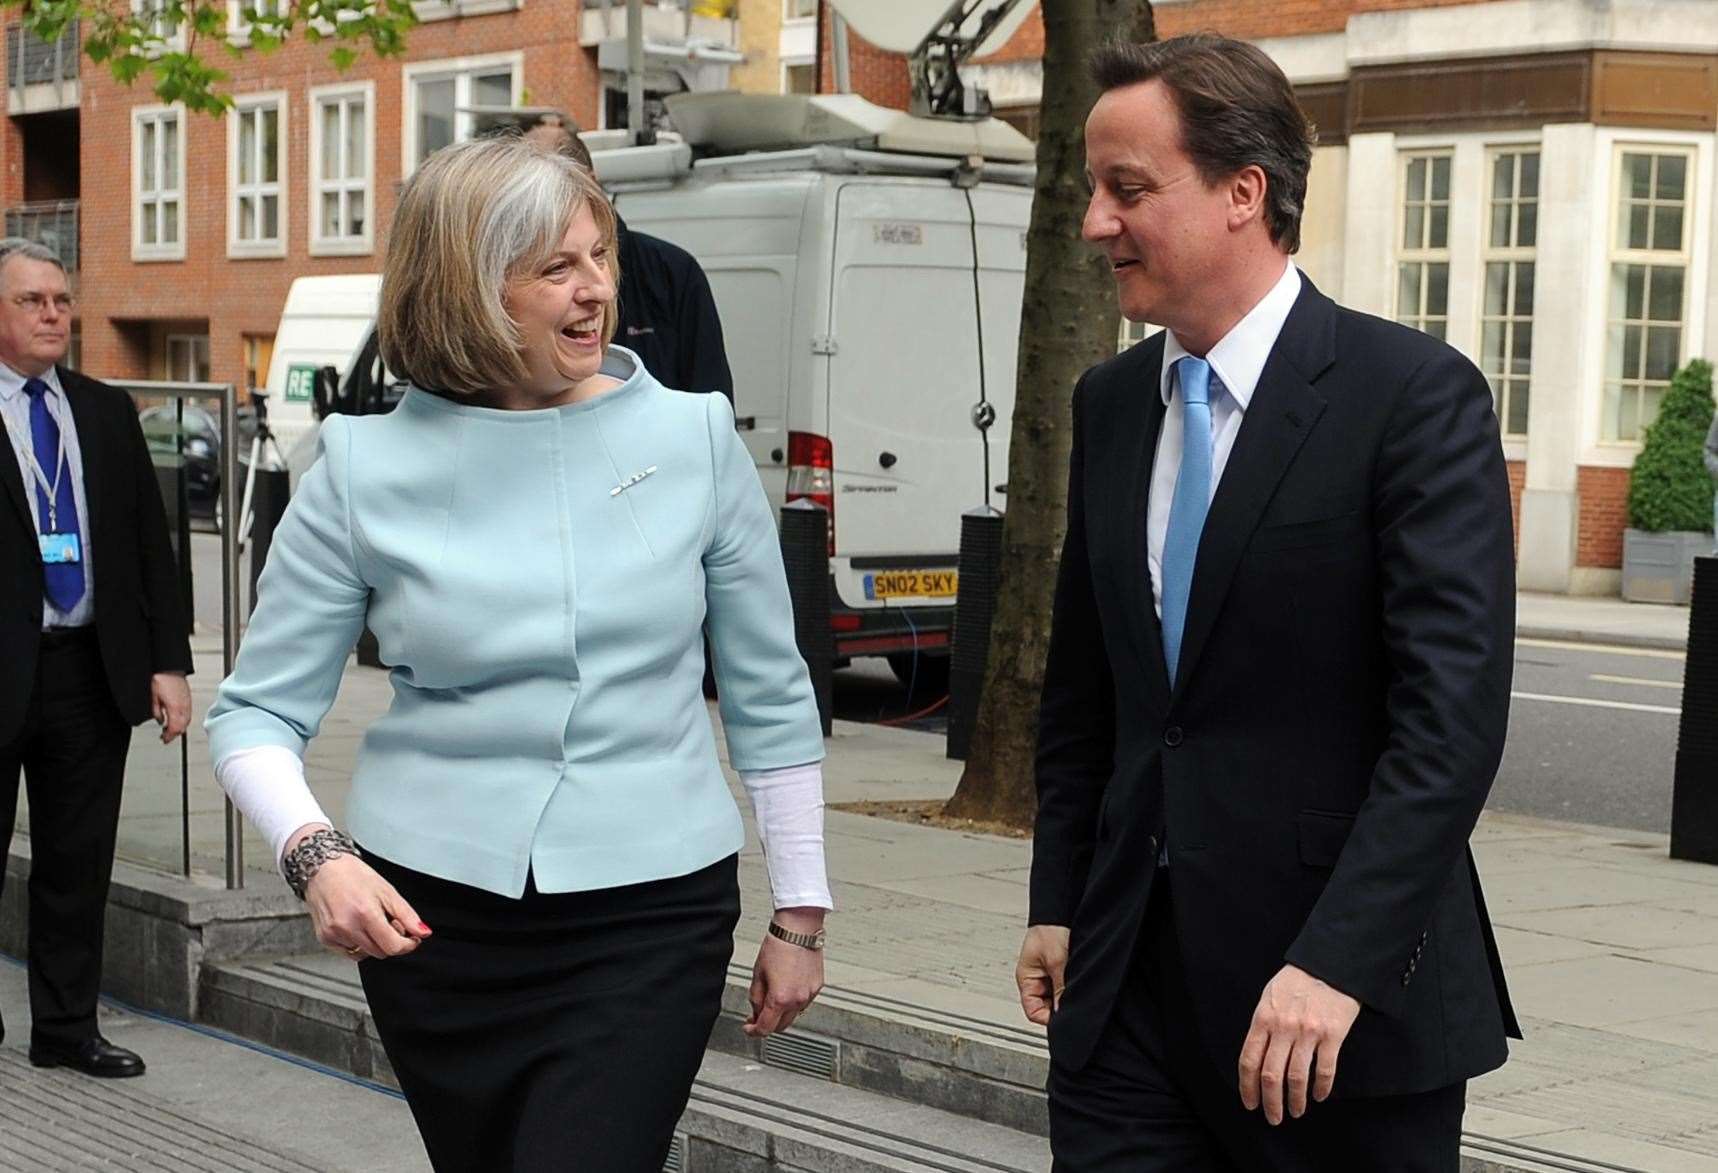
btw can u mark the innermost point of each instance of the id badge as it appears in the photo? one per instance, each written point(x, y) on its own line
point(60, 548)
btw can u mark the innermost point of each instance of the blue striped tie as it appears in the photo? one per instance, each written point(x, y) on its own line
point(1191, 502)
point(63, 581)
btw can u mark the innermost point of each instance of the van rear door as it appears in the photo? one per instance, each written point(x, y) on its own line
point(903, 385)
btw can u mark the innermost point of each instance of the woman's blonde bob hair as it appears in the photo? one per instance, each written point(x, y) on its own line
point(475, 216)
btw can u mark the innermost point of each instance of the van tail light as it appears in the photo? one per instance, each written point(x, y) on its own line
point(811, 474)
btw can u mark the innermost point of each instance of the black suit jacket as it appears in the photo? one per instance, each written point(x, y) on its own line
point(1340, 713)
point(668, 315)
point(139, 616)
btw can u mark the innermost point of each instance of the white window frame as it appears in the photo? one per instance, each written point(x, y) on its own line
point(275, 246)
point(1513, 254)
point(334, 246)
point(1422, 255)
point(157, 251)
point(418, 71)
point(1616, 254)
point(175, 43)
point(193, 340)
point(238, 19)
point(788, 16)
point(427, 10)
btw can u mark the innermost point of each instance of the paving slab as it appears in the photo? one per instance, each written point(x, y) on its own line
point(209, 1102)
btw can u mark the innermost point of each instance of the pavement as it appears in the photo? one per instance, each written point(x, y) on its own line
point(1611, 949)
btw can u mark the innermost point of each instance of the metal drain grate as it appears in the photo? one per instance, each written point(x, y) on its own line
point(676, 1162)
point(810, 1055)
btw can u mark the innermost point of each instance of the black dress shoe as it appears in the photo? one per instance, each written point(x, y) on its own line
point(92, 1056)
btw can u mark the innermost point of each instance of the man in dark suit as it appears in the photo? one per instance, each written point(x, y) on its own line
point(94, 637)
point(1278, 678)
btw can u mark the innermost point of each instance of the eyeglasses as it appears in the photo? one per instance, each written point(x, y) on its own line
point(35, 303)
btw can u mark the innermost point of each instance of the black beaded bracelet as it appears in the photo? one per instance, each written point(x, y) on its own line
point(315, 849)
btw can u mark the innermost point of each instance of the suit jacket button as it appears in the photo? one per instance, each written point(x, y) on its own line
point(1172, 736)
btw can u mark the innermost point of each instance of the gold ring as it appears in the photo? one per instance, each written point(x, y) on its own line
point(355, 951)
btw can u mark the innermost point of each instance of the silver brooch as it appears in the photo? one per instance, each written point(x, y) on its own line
point(630, 481)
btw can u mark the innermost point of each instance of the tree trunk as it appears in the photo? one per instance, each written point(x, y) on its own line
point(1069, 322)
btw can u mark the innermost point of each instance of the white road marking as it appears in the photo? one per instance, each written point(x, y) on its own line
point(1591, 702)
point(1607, 649)
point(1635, 680)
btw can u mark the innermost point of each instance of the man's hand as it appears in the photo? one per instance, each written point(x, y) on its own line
point(1038, 973)
point(1299, 1018)
point(170, 701)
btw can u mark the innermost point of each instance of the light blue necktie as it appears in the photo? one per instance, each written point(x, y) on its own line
point(1191, 502)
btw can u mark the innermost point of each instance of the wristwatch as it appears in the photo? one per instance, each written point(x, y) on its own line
point(813, 941)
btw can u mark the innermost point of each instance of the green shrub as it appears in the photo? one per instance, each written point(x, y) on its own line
point(1669, 488)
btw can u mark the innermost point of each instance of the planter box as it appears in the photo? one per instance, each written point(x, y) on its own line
point(1659, 568)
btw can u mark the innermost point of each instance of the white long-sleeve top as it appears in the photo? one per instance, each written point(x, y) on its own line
point(267, 784)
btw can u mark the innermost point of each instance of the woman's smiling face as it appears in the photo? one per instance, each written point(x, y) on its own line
point(560, 306)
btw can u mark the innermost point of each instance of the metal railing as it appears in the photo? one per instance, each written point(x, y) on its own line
point(33, 61)
point(225, 393)
point(53, 223)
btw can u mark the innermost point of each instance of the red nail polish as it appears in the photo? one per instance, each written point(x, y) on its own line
point(423, 928)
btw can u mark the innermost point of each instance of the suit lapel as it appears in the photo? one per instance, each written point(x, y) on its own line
point(13, 478)
point(90, 441)
point(1283, 410)
point(1140, 429)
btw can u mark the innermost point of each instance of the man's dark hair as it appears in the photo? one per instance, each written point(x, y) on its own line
point(1237, 110)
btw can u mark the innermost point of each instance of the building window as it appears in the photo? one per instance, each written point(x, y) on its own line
point(798, 9)
point(1649, 280)
point(1423, 266)
point(341, 164)
point(799, 78)
point(259, 350)
point(159, 23)
point(188, 358)
point(157, 170)
point(255, 141)
point(1506, 318)
point(240, 14)
point(440, 96)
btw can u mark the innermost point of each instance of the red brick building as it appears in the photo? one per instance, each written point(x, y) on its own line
point(185, 230)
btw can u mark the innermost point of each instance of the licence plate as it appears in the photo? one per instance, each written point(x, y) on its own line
point(911, 584)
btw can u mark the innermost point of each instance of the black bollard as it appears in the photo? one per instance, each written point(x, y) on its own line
point(1694, 795)
point(805, 553)
point(268, 505)
point(170, 479)
point(974, 608)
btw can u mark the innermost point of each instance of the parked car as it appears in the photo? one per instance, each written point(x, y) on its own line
point(194, 439)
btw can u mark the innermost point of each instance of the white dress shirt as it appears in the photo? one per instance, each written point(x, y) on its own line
point(15, 409)
point(1236, 363)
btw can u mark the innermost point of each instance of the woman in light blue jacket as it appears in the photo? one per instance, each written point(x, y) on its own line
point(542, 893)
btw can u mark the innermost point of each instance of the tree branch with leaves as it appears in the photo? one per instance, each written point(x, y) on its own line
point(166, 41)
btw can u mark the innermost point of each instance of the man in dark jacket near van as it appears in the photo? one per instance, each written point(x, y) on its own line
point(667, 314)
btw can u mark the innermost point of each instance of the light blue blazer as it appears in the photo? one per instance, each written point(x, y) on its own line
point(537, 581)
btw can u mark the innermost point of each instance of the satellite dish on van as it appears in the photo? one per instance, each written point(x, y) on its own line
point(899, 26)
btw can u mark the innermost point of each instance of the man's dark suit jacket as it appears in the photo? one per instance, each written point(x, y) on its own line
point(668, 315)
point(139, 616)
point(1340, 712)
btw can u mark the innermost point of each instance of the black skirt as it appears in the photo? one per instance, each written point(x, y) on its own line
point(559, 1030)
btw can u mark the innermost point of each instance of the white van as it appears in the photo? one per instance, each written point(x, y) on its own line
point(325, 322)
point(868, 266)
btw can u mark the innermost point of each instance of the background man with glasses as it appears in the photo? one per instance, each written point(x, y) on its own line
point(93, 633)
